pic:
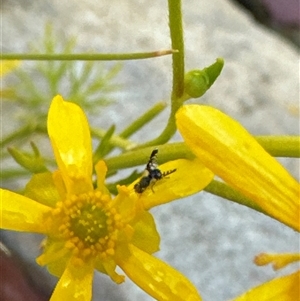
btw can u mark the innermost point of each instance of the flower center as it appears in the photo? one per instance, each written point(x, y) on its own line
point(89, 224)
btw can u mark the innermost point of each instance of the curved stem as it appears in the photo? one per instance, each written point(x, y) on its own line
point(166, 134)
point(177, 96)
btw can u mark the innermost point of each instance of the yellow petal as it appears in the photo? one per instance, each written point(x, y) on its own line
point(127, 203)
point(226, 148)
point(155, 277)
point(55, 256)
point(144, 227)
point(108, 267)
point(20, 213)
point(284, 289)
point(190, 177)
point(69, 133)
point(278, 260)
point(59, 184)
point(75, 283)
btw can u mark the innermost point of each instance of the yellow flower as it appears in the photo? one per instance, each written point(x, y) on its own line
point(87, 229)
point(226, 148)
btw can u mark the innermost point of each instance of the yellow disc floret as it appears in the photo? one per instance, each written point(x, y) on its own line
point(88, 224)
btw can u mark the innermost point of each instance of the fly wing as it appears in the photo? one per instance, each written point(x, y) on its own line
point(152, 163)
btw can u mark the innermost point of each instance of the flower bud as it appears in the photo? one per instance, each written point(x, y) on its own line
point(197, 82)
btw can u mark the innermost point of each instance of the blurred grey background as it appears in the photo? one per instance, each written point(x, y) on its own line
point(211, 241)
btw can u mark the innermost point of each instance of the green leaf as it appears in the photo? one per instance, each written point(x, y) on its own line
point(104, 146)
point(32, 162)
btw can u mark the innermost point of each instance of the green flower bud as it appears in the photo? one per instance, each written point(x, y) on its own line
point(197, 82)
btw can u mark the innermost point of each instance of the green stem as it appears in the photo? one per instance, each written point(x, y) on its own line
point(177, 96)
point(272, 144)
point(281, 146)
point(120, 140)
point(19, 134)
point(143, 119)
point(9, 174)
point(226, 192)
point(85, 56)
point(176, 33)
point(115, 140)
point(165, 135)
point(132, 158)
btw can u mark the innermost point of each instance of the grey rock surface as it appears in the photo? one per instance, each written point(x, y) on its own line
point(209, 240)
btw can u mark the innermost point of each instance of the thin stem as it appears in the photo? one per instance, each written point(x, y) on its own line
point(226, 192)
point(120, 139)
point(143, 119)
point(165, 135)
point(115, 140)
point(176, 32)
point(85, 56)
point(19, 134)
point(177, 96)
point(281, 146)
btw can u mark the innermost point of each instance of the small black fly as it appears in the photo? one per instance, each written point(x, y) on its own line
point(151, 174)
